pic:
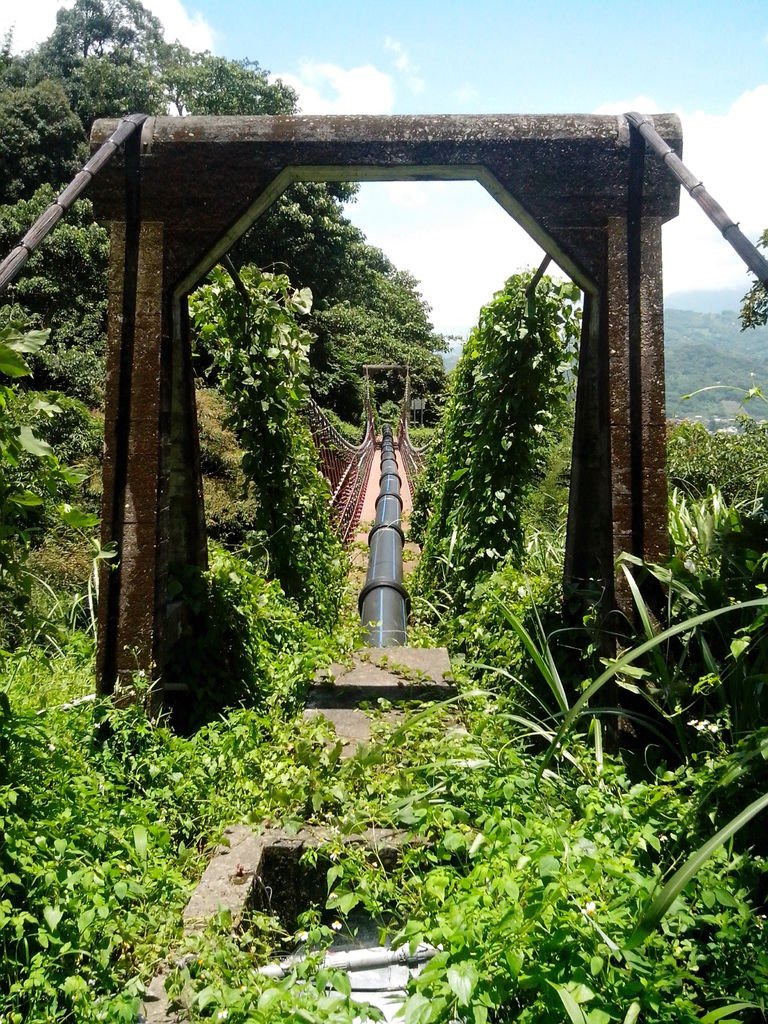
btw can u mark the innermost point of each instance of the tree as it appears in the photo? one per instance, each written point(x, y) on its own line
point(105, 53)
point(41, 139)
point(63, 289)
point(98, 28)
point(200, 83)
point(754, 308)
point(387, 322)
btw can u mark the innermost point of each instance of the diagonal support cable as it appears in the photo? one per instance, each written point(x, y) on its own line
point(51, 216)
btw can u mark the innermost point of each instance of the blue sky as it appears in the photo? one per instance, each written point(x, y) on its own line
point(706, 61)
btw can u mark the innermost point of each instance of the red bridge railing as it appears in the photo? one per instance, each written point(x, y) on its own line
point(345, 467)
point(413, 457)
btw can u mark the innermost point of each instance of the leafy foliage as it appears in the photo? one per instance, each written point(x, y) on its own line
point(247, 644)
point(200, 83)
point(63, 289)
point(32, 480)
point(507, 390)
point(736, 463)
point(754, 310)
point(261, 354)
point(41, 140)
point(531, 888)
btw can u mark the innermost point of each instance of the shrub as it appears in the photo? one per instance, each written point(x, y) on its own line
point(262, 358)
point(737, 463)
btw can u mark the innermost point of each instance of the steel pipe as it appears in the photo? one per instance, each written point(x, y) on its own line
point(384, 603)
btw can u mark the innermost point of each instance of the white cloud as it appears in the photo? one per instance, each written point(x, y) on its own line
point(405, 65)
point(462, 246)
point(331, 89)
point(33, 22)
point(189, 27)
point(452, 236)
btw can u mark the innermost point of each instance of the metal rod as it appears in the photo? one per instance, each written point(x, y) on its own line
point(357, 960)
point(537, 277)
point(730, 231)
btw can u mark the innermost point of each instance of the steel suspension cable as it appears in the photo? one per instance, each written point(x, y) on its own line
point(51, 216)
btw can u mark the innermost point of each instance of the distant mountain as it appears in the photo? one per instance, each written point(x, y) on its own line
point(705, 348)
point(708, 349)
point(714, 301)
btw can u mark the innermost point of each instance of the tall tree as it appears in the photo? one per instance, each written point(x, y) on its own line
point(200, 83)
point(41, 139)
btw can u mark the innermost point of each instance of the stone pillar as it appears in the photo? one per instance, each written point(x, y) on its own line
point(635, 336)
point(618, 499)
point(589, 550)
point(134, 507)
point(653, 418)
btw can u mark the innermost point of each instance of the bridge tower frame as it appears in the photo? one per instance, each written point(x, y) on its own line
point(189, 187)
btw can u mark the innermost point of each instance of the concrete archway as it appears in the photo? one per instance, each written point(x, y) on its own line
point(579, 184)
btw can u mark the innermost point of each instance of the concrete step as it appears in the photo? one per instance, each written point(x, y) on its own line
point(395, 674)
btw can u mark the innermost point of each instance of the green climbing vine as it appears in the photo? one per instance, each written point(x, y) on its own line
point(260, 351)
point(509, 388)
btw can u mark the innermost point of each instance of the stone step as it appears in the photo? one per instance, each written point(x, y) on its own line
point(394, 674)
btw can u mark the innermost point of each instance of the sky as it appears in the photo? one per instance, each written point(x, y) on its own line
point(704, 60)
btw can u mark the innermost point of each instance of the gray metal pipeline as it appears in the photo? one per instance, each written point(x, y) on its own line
point(384, 603)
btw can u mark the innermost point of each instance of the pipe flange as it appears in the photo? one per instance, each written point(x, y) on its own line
point(385, 526)
point(384, 585)
point(389, 494)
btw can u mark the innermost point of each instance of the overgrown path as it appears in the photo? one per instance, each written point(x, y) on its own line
point(345, 693)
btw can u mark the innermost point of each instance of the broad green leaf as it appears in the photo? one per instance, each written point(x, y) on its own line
point(205, 997)
point(738, 646)
point(454, 841)
point(347, 901)
point(52, 917)
point(47, 408)
point(268, 998)
point(658, 908)
point(723, 1011)
point(28, 342)
point(33, 445)
point(418, 1009)
point(85, 920)
point(11, 363)
point(549, 866)
point(632, 1013)
point(572, 1008)
point(78, 519)
point(462, 981)
point(26, 499)
point(597, 1016)
point(140, 840)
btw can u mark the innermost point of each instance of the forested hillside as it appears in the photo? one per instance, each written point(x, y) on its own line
point(707, 349)
point(106, 59)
